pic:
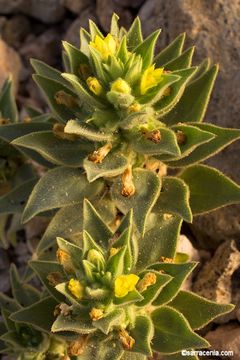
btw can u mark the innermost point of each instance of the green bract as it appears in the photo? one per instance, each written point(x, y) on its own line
point(18, 337)
point(117, 305)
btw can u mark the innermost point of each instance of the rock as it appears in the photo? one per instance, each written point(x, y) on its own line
point(15, 30)
point(226, 338)
point(207, 23)
point(10, 63)
point(129, 3)
point(105, 9)
point(76, 6)
point(185, 246)
point(218, 280)
point(47, 11)
point(4, 273)
point(72, 34)
point(45, 47)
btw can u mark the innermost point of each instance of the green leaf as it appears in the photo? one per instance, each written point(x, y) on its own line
point(157, 93)
point(134, 35)
point(167, 145)
point(115, 264)
point(25, 294)
point(8, 303)
point(85, 38)
point(74, 251)
point(75, 56)
point(209, 188)
point(174, 198)
point(112, 165)
point(163, 239)
point(86, 98)
point(151, 293)
point(59, 187)
point(183, 61)
point(13, 131)
point(88, 132)
point(167, 102)
point(62, 288)
point(148, 187)
point(193, 104)
point(43, 269)
point(142, 333)
point(197, 310)
point(77, 324)
point(8, 107)
point(172, 51)
point(194, 138)
point(173, 332)
point(94, 30)
point(43, 314)
point(96, 60)
point(89, 243)
point(127, 355)
point(146, 48)
point(122, 52)
point(132, 297)
point(114, 30)
point(202, 68)
point(49, 88)
point(14, 201)
point(58, 151)
point(223, 137)
point(95, 226)
point(179, 273)
point(114, 318)
point(67, 222)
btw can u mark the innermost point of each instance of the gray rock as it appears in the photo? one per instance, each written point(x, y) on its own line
point(72, 34)
point(105, 9)
point(47, 11)
point(213, 26)
point(15, 30)
point(226, 338)
point(218, 280)
point(76, 6)
point(129, 3)
point(10, 63)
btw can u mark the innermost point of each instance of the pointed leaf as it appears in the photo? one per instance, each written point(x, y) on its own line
point(174, 198)
point(76, 324)
point(43, 314)
point(223, 137)
point(209, 188)
point(111, 166)
point(113, 318)
point(14, 200)
point(89, 243)
point(173, 333)
point(163, 239)
point(146, 48)
point(88, 132)
point(75, 56)
point(74, 251)
point(172, 51)
point(13, 131)
point(114, 25)
point(8, 107)
point(147, 186)
point(85, 38)
point(95, 226)
point(58, 151)
point(49, 72)
point(179, 273)
point(115, 264)
point(94, 30)
point(43, 269)
point(132, 297)
point(142, 333)
point(197, 310)
point(59, 187)
point(183, 61)
point(134, 35)
point(193, 104)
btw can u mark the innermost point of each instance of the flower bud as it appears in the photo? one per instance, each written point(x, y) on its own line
point(135, 107)
point(94, 85)
point(148, 280)
point(121, 86)
point(96, 258)
point(65, 260)
point(181, 137)
point(77, 347)
point(76, 288)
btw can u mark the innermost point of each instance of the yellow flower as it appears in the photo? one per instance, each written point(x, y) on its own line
point(150, 78)
point(121, 86)
point(94, 85)
point(106, 46)
point(124, 284)
point(76, 288)
point(114, 251)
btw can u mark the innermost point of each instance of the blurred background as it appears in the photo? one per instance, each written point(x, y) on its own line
point(35, 28)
